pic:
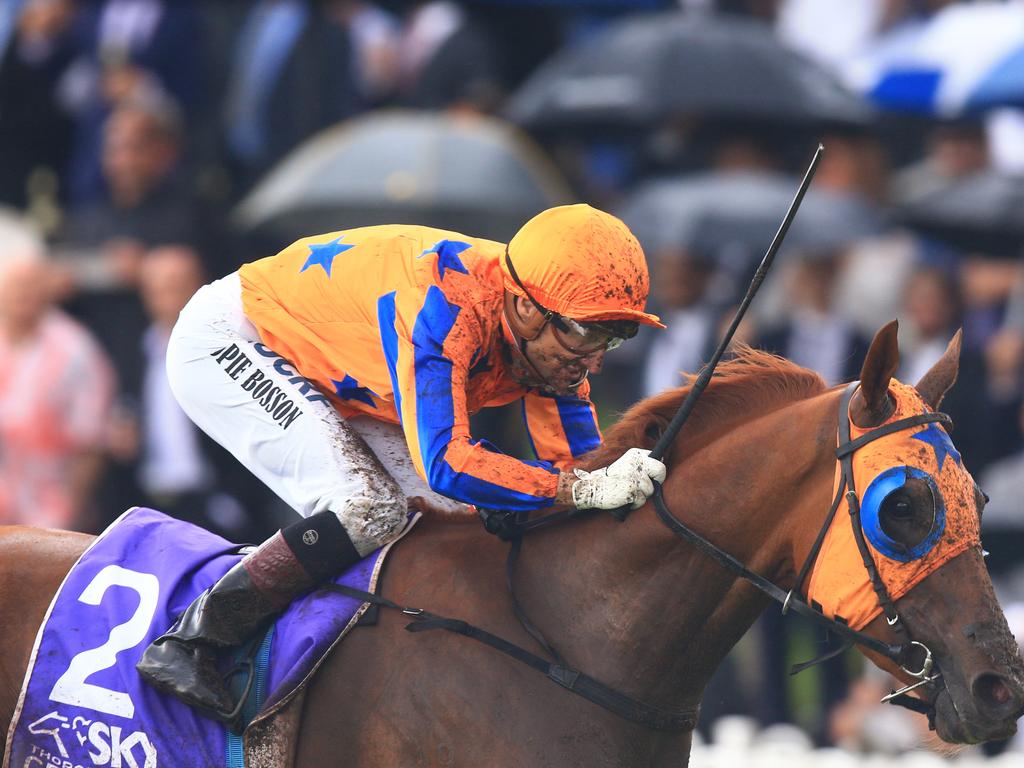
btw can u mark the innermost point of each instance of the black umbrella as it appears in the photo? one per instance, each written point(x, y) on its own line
point(983, 212)
point(732, 216)
point(468, 173)
point(643, 69)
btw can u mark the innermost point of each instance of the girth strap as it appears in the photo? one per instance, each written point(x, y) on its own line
point(675, 720)
point(517, 608)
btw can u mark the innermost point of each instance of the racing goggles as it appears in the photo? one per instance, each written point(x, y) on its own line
point(579, 339)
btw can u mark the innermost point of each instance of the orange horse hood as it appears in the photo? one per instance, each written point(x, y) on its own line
point(839, 582)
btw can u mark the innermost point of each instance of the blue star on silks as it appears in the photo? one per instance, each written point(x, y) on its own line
point(448, 256)
point(940, 443)
point(349, 389)
point(323, 254)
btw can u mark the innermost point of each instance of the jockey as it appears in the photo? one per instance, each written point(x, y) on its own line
point(342, 372)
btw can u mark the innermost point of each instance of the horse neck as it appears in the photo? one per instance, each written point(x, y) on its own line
point(640, 608)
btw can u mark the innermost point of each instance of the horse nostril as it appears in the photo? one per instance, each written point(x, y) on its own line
point(995, 693)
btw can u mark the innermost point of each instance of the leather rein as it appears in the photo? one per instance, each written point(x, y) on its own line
point(512, 526)
point(509, 526)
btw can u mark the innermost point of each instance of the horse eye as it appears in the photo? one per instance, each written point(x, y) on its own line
point(898, 508)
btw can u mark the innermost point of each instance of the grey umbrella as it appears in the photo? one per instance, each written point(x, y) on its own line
point(469, 173)
point(735, 214)
point(643, 69)
point(983, 212)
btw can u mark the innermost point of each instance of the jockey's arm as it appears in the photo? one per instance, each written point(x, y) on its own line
point(431, 372)
point(561, 428)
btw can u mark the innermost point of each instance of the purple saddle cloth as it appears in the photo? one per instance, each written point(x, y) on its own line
point(83, 704)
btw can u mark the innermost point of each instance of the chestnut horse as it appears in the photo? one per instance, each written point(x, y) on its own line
point(628, 603)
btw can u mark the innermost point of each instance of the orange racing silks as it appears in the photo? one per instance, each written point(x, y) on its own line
point(402, 323)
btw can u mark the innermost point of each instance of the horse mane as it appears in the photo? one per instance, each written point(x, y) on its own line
point(748, 385)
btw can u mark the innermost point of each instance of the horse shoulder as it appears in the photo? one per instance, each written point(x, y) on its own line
point(33, 563)
point(382, 683)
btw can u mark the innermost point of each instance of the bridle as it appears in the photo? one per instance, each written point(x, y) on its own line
point(899, 653)
point(511, 526)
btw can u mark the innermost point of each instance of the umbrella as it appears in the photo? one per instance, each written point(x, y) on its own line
point(733, 215)
point(642, 69)
point(966, 59)
point(983, 212)
point(454, 172)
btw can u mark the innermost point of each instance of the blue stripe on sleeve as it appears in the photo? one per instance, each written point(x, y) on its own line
point(389, 342)
point(529, 434)
point(435, 413)
point(578, 424)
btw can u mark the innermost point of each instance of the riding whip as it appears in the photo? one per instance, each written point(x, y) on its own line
point(669, 435)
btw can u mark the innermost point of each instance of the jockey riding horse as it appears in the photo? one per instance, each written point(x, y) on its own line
point(395, 335)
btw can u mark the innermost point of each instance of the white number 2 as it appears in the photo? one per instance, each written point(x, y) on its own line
point(71, 687)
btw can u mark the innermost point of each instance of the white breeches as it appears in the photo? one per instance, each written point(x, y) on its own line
point(276, 423)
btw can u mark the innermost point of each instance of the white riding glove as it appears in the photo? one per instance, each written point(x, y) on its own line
point(627, 480)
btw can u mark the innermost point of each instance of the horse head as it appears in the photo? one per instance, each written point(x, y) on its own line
point(655, 602)
point(920, 514)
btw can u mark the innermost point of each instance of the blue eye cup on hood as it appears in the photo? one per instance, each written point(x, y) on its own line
point(875, 495)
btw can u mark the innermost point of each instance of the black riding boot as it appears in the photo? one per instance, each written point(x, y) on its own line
point(183, 662)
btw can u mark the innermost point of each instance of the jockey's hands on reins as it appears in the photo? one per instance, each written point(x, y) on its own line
point(629, 480)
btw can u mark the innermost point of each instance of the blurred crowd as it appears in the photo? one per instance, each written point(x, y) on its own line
point(130, 130)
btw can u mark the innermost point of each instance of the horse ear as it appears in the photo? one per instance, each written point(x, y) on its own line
point(879, 367)
point(934, 385)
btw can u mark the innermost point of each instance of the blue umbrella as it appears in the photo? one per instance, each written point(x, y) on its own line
point(966, 59)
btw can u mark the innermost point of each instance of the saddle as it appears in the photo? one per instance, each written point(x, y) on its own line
point(82, 694)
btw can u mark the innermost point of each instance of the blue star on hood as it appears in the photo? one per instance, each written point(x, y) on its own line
point(940, 443)
point(324, 253)
point(448, 256)
point(349, 389)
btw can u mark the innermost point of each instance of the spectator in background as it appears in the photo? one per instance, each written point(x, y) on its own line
point(147, 200)
point(1003, 521)
point(148, 203)
point(681, 292)
point(955, 149)
point(932, 312)
point(56, 389)
point(34, 130)
point(166, 462)
point(300, 67)
point(859, 723)
point(812, 333)
point(447, 61)
point(1004, 352)
point(126, 48)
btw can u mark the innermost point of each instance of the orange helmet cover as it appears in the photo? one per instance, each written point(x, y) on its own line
point(582, 263)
